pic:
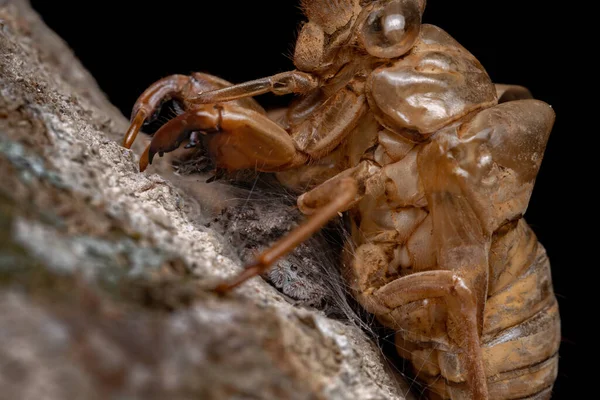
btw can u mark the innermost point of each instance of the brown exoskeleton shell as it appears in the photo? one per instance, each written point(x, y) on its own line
point(401, 127)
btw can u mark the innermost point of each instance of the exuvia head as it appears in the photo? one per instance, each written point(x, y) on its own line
point(382, 28)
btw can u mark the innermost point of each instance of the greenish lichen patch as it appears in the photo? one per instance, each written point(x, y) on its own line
point(37, 232)
point(29, 165)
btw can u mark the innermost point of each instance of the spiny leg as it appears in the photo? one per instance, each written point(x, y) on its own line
point(240, 138)
point(150, 100)
point(341, 197)
point(179, 87)
point(170, 136)
point(462, 306)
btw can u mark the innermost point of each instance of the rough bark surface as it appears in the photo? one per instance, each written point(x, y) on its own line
point(103, 273)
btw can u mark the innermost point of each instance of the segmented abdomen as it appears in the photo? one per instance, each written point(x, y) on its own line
point(521, 332)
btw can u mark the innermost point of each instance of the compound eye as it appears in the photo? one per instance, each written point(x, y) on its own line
point(391, 28)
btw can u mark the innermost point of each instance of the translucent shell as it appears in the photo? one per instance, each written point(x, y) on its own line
point(437, 83)
point(391, 28)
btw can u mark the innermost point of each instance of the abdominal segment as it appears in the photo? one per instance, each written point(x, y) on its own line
point(521, 332)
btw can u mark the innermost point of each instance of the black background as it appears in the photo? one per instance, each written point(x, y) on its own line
point(127, 45)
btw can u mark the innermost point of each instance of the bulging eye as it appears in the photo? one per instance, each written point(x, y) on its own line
point(391, 28)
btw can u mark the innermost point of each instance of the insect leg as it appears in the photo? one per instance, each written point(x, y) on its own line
point(239, 138)
point(178, 87)
point(280, 84)
point(340, 198)
point(151, 99)
point(462, 308)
